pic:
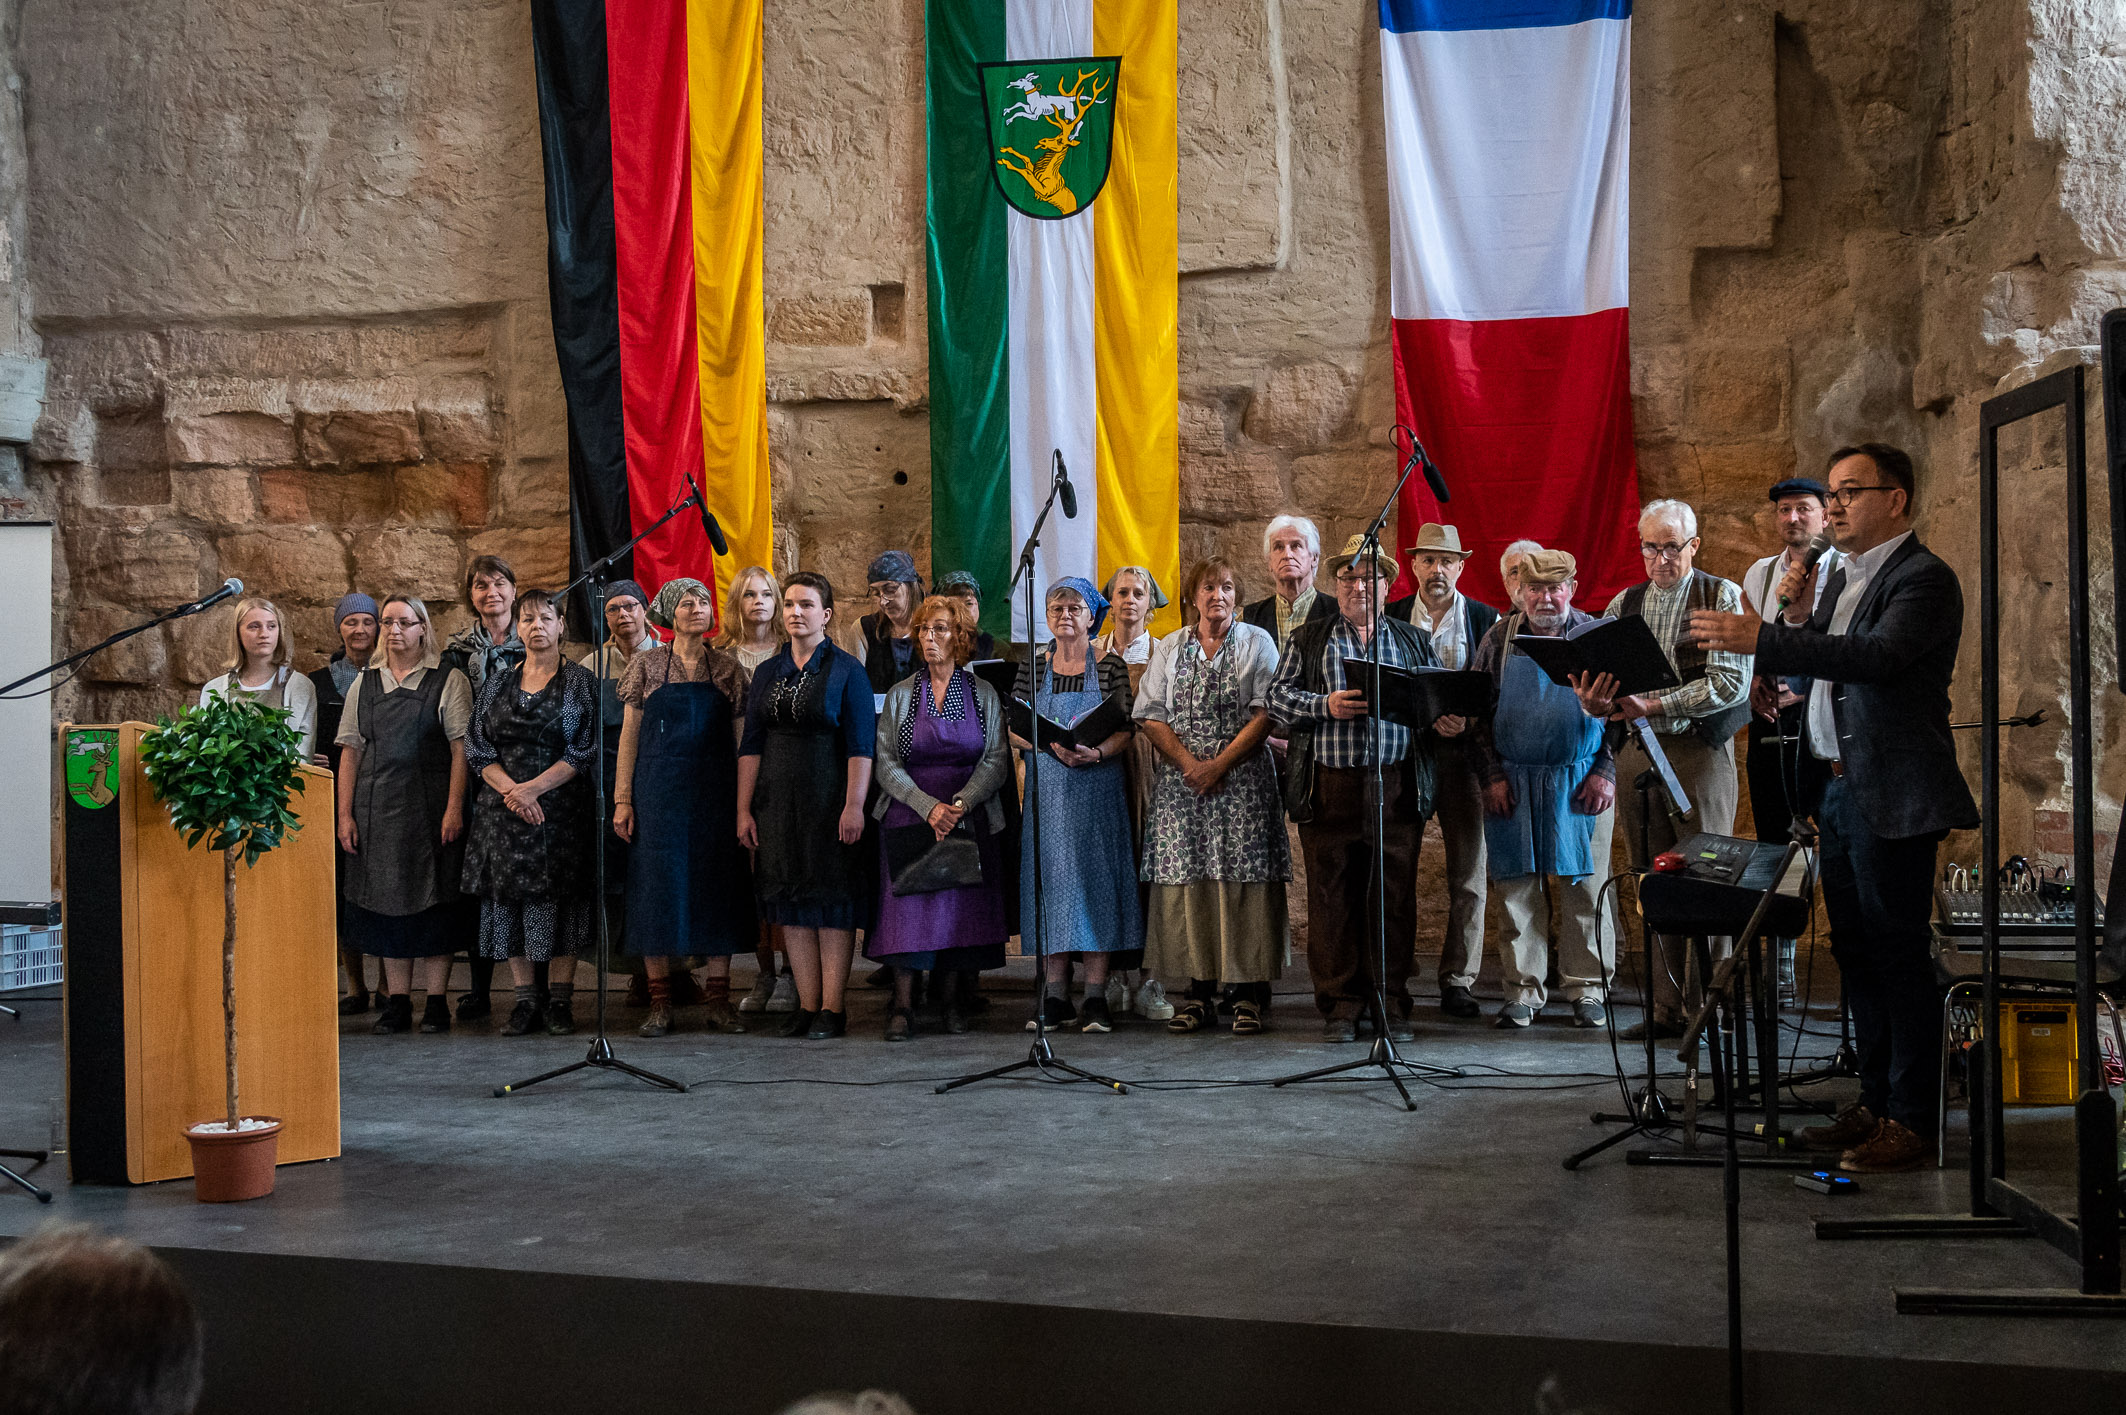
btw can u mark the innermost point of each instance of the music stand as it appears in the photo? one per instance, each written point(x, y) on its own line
point(1382, 1053)
point(1041, 1055)
point(601, 1056)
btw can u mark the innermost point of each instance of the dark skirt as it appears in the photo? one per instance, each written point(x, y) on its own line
point(806, 877)
point(445, 928)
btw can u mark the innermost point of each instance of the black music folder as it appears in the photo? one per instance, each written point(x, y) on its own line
point(1417, 698)
point(1090, 730)
point(1625, 647)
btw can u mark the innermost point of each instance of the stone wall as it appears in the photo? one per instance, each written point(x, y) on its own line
point(288, 266)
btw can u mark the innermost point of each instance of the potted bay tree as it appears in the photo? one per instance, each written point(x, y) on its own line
point(225, 771)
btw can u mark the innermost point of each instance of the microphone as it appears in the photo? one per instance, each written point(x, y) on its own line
point(1065, 492)
point(1418, 455)
point(1819, 546)
point(230, 588)
point(708, 521)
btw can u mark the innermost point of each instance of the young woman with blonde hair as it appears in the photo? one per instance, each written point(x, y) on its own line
point(261, 668)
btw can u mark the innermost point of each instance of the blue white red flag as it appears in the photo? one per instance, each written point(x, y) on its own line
point(1509, 135)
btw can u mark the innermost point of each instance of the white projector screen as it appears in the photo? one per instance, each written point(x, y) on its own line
point(26, 722)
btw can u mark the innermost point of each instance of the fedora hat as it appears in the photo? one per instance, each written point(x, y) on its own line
point(1351, 551)
point(1436, 539)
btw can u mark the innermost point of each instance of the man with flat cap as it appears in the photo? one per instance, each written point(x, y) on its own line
point(1785, 778)
point(1456, 624)
point(1549, 788)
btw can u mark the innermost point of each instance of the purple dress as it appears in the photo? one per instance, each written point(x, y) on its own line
point(960, 930)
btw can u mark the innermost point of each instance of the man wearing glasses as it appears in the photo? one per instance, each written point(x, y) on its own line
point(1880, 646)
point(1697, 721)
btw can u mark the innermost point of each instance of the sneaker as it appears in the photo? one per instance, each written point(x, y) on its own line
point(560, 1018)
point(1094, 1016)
point(1515, 1014)
point(762, 994)
point(1117, 994)
point(1589, 1012)
point(1892, 1149)
point(784, 998)
point(1852, 1127)
point(1151, 1001)
point(526, 1016)
point(1055, 1012)
point(1458, 1002)
point(1340, 1029)
point(657, 1023)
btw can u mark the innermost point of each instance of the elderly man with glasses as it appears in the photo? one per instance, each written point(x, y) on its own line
point(1696, 721)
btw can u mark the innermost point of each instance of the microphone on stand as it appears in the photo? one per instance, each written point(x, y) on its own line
point(1065, 492)
point(1819, 546)
point(230, 588)
point(1423, 459)
point(708, 521)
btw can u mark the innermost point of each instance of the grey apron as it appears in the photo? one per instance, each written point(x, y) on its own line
point(401, 865)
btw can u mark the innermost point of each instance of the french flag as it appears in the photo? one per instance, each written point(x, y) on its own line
point(1509, 135)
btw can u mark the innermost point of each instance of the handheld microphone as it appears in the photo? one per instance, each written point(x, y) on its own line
point(1819, 546)
point(708, 521)
point(1065, 492)
point(230, 588)
point(1423, 460)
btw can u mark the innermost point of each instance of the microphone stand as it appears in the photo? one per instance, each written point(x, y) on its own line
point(1041, 1056)
point(1383, 1053)
point(182, 611)
point(600, 1057)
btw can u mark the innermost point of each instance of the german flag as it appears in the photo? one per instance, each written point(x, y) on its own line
point(649, 120)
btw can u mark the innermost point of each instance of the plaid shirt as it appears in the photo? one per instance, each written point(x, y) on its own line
point(1339, 742)
point(1726, 683)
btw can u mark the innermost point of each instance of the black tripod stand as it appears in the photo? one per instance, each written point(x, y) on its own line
point(1382, 1054)
point(1041, 1056)
point(600, 1056)
point(44, 1196)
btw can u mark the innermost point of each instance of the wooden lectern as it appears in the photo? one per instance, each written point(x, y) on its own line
point(143, 972)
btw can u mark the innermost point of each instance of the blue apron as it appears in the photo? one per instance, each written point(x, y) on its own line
point(1088, 873)
point(1548, 745)
point(689, 890)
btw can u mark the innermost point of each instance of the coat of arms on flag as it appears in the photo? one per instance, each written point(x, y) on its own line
point(1052, 124)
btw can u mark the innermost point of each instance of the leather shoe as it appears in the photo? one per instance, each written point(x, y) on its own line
point(1892, 1149)
point(1400, 1030)
point(1340, 1029)
point(1851, 1127)
point(1664, 1031)
point(827, 1025)
point(1458, 1002)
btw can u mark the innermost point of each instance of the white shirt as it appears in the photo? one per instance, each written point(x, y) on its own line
point(1859, 571)
point(1765, 575)
point(1138, 651)
point(298, 695)
point(1251, 652)
point(1449, 641)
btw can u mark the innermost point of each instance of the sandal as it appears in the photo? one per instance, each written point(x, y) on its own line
point(1191, 1016)
point(1247, 1019)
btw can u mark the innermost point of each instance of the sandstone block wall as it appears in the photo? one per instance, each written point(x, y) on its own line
point(288, 267)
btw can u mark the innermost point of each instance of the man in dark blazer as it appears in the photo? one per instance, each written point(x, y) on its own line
point(1881, 644)
point(1456, 624)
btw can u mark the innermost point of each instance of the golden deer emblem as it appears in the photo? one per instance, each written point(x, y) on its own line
point(1065, 111)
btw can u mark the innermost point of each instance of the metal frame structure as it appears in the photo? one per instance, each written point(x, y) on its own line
point(2090, 1236)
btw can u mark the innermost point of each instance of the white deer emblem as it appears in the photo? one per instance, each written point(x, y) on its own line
point(1037, 104)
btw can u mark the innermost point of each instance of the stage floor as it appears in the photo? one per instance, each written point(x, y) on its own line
point(833, 1167)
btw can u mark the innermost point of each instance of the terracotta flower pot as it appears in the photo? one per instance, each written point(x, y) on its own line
point(228, 1165)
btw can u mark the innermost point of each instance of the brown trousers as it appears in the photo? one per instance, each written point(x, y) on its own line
point(1338, 846)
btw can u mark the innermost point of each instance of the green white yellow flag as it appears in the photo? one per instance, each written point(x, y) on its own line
point(1053, 286)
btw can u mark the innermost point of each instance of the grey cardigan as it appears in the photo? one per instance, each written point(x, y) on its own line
point(982, 788)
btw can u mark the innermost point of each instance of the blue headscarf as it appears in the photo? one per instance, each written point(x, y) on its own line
point(1095, 602)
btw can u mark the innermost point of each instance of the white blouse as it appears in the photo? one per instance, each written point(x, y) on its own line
point(1251, 651)
point(298, 695)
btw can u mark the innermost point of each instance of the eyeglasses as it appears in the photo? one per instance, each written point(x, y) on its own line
point(402, 624)
point(1843, 496)
point(1346, 578)
point(1666, 551)
point(880, 594)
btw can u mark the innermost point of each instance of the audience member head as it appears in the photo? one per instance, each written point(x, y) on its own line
point(1210, 593)
point(865, 1402)
point(1871, 489)
point(491, 593)
point(1510, 568)
point(408, 633)
point(95, 1325)
point(1547, 585)
point(260, 641)
point(1798, 503)
point(752, 610)
point(354, 620)
point(942, 625)
point(1668, 541)
point(1292, 546)
point(1436, 563)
